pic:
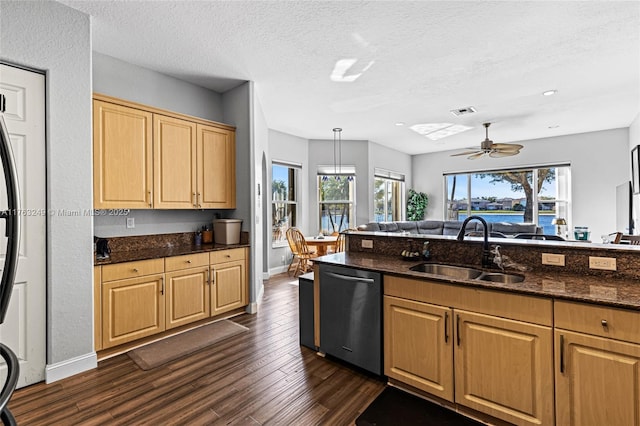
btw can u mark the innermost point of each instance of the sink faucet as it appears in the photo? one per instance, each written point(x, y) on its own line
point(486, 262)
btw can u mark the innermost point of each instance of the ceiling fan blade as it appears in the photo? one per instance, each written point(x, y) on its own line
point(465, 153)
point(501, 153)
point(506, 146)
point(476, 155)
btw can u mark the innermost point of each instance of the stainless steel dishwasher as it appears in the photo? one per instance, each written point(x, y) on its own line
point(351, 316)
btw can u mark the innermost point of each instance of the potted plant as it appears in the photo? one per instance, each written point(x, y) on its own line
point(416, 205)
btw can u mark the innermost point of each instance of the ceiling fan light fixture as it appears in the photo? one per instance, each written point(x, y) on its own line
point(494, 150)
point(549, 92)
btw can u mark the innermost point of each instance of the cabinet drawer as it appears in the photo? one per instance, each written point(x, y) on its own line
point(227, 255)
point(175, 263)
point(597, 320)
point(139, 268)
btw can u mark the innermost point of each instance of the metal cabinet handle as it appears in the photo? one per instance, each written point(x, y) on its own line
point(561, 353)
point(213, 276)
point(208, 279)
point(458, 329)
point(162, 285)
point(604, 323)
point(189, 261)
point(150, 199)
point(198, 200)
point(195, 202)
point(135, 270)
point(446, 327)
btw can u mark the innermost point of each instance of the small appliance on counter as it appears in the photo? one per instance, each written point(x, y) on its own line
point(102, 248)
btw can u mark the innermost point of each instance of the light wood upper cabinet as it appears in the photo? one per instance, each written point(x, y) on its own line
point(504, 368)
point(216, 168)
point(122, 156)
point(145, 157)
point(174, 159)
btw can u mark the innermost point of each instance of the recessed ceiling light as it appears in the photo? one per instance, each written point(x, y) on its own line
point(555, 126)
point(550, 92)
point(400, 123)
point(435, 131)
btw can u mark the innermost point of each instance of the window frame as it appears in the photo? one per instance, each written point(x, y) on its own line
point(345, 172)
point(297, 168)
point(390, 178)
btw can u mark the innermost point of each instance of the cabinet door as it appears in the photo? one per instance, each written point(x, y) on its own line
point(187, 296)
point(597, 381)
point(228, 286)
point(132, 309)
point(216, 168)
point(418, 346)
point(504, 368)
point(174, 162)
point(122, 157)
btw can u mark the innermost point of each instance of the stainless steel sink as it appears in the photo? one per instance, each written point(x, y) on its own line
point(462, 273)
point(497, 277)
point(450, 271)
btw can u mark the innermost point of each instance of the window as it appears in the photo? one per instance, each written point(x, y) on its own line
point(527, 195)
point(336, 199)
point(388, 196)
point(284, 200)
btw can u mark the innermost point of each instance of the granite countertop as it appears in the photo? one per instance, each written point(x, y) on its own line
point(620, 293)
point(156, 253)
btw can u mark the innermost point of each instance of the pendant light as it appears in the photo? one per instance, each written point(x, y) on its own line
point(337, 153)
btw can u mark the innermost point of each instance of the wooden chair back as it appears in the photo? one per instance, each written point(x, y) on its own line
point(340, 243)
point(634, 240)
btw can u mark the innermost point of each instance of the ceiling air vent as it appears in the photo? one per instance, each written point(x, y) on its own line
point(463, 111)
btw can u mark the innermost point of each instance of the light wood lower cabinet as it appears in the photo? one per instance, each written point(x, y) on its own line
point(139, 299)
point(504, 368)
point(132, 309)
point(498, 366)
point(418, 346)
point(228, 281)
point(597, 365)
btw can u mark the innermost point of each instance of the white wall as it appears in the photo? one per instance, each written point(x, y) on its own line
point(291, 149)
point(52, 37)
point(385, 158)
point(599, 162)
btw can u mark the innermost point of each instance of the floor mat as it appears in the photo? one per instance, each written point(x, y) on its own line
point(174, 347)
point(395, 407)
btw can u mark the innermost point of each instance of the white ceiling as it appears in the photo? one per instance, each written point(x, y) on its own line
point(428, 57)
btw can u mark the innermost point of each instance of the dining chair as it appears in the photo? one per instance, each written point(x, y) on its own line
point(300, 251)
point(634, 240)
point(340, 243)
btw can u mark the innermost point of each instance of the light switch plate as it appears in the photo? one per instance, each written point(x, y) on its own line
point(131, 223)
point(553, 259)
point(367, 243)
point(606, 263)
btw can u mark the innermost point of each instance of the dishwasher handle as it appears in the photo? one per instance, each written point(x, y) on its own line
point(350, 278)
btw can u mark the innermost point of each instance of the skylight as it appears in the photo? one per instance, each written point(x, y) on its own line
point(435, 131)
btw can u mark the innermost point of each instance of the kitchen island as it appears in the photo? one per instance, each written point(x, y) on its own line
point(560, 347)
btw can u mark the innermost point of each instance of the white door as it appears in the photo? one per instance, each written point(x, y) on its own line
point(24, 329)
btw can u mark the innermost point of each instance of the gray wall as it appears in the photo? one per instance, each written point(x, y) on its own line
point(123, 80)
point(599, 162)
point(52, 37)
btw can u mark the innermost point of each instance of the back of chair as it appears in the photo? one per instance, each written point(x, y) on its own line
point(299, 241)
point(340, 242)
point(291, 241)
point(634, 240)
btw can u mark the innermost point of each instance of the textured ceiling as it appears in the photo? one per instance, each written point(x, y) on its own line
point(418, 60)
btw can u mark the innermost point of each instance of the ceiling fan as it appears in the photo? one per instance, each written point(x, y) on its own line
point(494, 150)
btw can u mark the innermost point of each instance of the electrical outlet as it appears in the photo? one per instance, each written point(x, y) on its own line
point(367, 243)
point(131, 223)
point(606, 263)
point(282, 260)
point(553, 259)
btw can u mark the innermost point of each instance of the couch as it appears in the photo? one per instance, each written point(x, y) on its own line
point(448, 227)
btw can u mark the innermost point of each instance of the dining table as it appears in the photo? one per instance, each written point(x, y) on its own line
point(321, 243)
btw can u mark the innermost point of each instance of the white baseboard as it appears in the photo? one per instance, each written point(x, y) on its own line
point(278, 270)
point(266, 275)
point(252, 308)
point(70, 367)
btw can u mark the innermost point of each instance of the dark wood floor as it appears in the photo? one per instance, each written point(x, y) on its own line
point(260, 377)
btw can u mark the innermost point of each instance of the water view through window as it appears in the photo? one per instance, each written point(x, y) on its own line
point(533, 195)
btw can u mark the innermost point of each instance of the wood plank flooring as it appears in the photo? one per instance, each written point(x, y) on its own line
point(260, 377)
